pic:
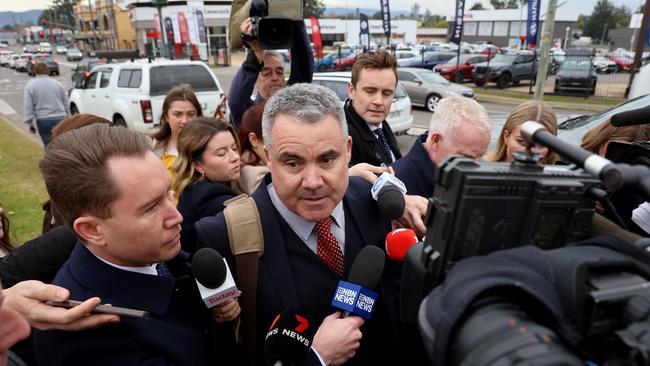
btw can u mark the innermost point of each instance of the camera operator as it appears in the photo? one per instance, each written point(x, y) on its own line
point(265, 69)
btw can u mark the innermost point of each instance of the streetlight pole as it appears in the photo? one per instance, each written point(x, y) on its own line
point(549, 24)
point(566, 37)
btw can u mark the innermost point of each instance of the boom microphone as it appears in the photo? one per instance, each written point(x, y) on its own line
point(289, 338)
point(213, 277)
point(356, 296)
point(389, 193)
point(631, 118)
point(398, 242)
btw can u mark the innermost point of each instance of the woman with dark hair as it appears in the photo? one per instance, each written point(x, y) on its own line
point(180, 106)
point(6, 244)
point(207, 164)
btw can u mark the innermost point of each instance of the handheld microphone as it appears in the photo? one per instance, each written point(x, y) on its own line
point(631, 118)
point(356, 296)
point(389, 193)
point(289, 338)
point(398, 242)
point(213, 277)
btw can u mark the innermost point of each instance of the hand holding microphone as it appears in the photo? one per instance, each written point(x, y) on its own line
point(337, 340)
point(289, 338)
point(215, 284)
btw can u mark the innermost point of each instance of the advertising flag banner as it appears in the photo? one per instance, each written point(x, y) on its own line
point(364, 31)
point(532, 25)
point(316, 37)
point(385, 16)
point(177, 29)
point(182, 24)
point(457, 31)
point(156, 24)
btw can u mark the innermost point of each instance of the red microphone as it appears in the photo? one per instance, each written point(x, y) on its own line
point(398, 242)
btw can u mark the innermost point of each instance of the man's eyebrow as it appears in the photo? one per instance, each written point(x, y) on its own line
point(329, 153)
point(288, 155)
point(154, 199)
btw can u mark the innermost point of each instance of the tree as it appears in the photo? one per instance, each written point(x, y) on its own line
point(415, 10)
point(505, 4)
point(605, 16)
point(9, 27)
point(477, 6)
point(60, 12)
point(314, 8)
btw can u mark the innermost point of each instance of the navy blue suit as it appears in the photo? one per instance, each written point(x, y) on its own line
point(416, 169)
point(292, 276)
point(179, 331)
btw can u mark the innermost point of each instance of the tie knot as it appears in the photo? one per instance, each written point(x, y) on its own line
point(323, 226)
point(379, 132)
point(162, 270)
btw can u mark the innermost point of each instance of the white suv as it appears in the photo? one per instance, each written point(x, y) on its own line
point(400, 118)
point(132, 93)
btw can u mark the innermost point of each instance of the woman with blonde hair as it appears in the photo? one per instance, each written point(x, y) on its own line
point(510, 139)
point(597, 139)
point(180, 107)
point(208, 163)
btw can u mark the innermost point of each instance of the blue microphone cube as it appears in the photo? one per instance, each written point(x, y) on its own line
point(355, 299)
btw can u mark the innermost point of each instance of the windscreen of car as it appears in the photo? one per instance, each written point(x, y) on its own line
point(636, 103)
point(432, 78)
point(163, 78)
point(502, 58)
point(575, 65)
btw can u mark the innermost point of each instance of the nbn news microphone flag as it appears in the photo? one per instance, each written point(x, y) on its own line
point(457, 32)
point(364, 31)
point(532, 25)
point(385, 16)
point(355, 299)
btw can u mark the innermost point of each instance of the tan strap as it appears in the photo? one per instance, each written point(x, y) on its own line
point(244, 225)
point(247, 265)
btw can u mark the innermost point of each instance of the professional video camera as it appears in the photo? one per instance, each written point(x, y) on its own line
point(499, 307)
point(273, 22)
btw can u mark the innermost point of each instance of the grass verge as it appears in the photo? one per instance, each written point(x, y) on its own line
point(22, 191)
point(548, 98)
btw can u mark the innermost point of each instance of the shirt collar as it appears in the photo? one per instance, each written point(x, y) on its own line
point(149, 270)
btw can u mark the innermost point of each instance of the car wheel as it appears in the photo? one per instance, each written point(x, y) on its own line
point(479, 82)
point(73, 109)
point(119, 120)
point(458, 77)
point(503, 81)
point(432, 102)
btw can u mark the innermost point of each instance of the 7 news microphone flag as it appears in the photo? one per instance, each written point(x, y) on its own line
point(385, 16)
point(532, 25)
point(364, 32)
point(457, 32)
point(316, 37)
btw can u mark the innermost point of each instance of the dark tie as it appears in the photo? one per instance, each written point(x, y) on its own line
point(163, 271)
point(384, 143)
point(328, 248)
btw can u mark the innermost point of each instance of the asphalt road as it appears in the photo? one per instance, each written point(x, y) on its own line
point(12, 84)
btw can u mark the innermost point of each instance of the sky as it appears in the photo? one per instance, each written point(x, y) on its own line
point(442, 7)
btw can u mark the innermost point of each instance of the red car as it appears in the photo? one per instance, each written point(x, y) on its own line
point(622, 63)
point(463, 71)
point(345, 63)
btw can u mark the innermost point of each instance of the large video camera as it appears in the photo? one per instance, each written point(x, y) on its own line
point(487, 209)
point(273, 22)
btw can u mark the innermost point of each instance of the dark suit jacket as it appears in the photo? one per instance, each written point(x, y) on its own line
point(365, 146)
point(199, 200)
point(416, 169)
point(292, 276)
point(179, 332)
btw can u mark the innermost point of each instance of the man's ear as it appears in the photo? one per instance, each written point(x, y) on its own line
point(348, 151)
point(88, 228)
point(351, 91)
point(434, 140)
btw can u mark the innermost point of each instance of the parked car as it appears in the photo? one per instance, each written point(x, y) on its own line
point(22, 61)
point(426, 88)
point(400, 118)
point(345, 63)
point(30, 48)
point(83, 68)
point(74, 54)
point(52, 65)
point(327, 62)
point(61, 50)
point(622, 63)
point(429, 60)
point(576, 74)
point(405, 56)
point(45, 47)
point(5, 57)
point(604, 65)
point(458, 70)
point(572, 130)
point(506, 68)
point(13, 59)
point(132, 93)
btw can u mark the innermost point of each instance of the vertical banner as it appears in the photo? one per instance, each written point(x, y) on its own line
point(364, 32)
point(385, 16)
point(176, 30)
point(191, 27)
point(457, 32)
point(202, 35)
point(316, 38)
point(156, 25)
point(532, 23)
point(171, 37)
point(182, 24)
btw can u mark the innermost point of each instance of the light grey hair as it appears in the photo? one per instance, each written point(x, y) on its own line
point(270, 53)
point(308, 103)
point(452, 111)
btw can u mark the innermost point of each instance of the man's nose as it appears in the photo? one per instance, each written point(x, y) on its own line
point(312, 178)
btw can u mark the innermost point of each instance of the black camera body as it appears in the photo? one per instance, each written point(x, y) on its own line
point(271, 31)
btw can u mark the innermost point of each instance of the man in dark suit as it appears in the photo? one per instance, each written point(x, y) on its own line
point(315, 220)
point(128, 255)
point(459, 126)
point(371, 90)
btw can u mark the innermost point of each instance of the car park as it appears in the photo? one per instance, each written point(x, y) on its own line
point(73, 54)
point(345, 63)
point(458, 70)
point(572, 130)
point(425, 88)
point(429, 60)
point(327, 62)
point(576, 74)
point(506, 68)
point(400, 118)
point(132, 93)
point(52, 65)
point(61, 50)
